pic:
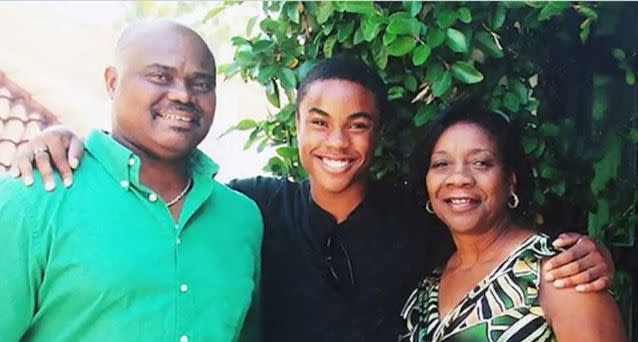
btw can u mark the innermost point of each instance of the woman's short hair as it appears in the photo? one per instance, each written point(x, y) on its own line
point(349, 68)
point(505, 135)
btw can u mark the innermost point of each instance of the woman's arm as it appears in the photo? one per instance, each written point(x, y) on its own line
point(581, 317)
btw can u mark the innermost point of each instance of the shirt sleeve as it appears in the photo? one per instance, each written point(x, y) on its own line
point(251, 330)
point(19, 269)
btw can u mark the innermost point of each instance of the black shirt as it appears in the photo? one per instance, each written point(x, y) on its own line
point(387, 239)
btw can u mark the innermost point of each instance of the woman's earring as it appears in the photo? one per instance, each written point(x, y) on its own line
point(513, 201)
point(428, 207)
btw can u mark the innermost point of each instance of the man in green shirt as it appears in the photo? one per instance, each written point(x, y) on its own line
point(148, 246)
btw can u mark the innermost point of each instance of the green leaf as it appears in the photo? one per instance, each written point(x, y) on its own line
point(360, 7)
point(606, 168)
point(272, 93)
point(585, 29)
point(552, 9)
point(388, 38)
point(395, 93)
point(371, 27)
point(326, 8)
point(434, 72)
point(559, 188)
point(511, 102)
point(633, 135)
point(276, 166)
point(549, 172)
point(619, 54)
point(456, 40)
point(587, 11)
point(401, 46)
point(358, 36)
point(464, 15)
point(250, 25)
point(412, 7)
point(329, 45)
point(497, 19)
point(421, 54)
point(381, 58)
point(520, 90)
point(266, 73)
point(445, 18)
point(344, 31)
point(262, 45)
point(287, 78)
point(439, 88)
point(435, 38)
point(487, 44)
point(466, 73)
point(410, 82)
point(529, 144)
point(246, 124)
point(424, 114)
point(287, 152)
point(213, 12)
point(292, 11)
point(550, 130)
point(630, 77)
point(401, 25)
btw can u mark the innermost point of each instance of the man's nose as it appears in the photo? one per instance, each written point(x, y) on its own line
point(179, 92)
point(337, 138)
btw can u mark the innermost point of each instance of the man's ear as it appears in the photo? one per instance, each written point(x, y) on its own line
point(111, 80)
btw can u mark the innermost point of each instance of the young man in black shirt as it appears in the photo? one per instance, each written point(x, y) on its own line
point(341, 253)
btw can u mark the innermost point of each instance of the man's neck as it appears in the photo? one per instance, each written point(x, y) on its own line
point(340, 204)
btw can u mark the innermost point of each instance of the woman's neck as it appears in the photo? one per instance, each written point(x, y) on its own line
point(484, 247)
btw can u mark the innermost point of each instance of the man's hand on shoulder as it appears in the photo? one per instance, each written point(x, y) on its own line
point(58, 144)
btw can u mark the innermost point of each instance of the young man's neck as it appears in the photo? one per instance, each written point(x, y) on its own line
point(340, 204)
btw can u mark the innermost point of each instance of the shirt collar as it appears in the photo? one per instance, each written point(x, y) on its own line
point(124, 165)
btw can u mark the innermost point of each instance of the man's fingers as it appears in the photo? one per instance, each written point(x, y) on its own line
point(573, 253)
point(43, 163)
point(573, 268)
point(599, 284)
point(61, 163)
point(22, 162)
point(76, 151)
point(566, 240)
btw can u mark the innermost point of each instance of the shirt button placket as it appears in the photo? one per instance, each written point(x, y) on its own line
point(184, 338)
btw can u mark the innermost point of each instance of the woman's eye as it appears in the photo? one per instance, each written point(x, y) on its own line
point(482, 163)
point(438, 164)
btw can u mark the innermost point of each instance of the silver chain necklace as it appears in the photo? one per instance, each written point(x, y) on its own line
point(181, 194)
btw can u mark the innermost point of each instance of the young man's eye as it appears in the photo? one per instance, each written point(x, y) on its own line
point(360, 125)
point(318, 123)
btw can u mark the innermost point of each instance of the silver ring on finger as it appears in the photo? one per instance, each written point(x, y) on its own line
point(40, 150)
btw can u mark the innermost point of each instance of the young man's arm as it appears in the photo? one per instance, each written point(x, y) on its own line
point(20, 270)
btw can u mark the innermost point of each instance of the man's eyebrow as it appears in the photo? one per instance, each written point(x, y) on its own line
point(353, 116)
point(202, 74)
point(318, 111)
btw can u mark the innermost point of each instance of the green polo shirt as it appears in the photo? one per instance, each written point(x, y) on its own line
point(104, 260)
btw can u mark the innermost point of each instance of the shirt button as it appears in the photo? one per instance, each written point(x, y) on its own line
point(183, 339)
point(124, 184)
point(152, 197)
point(131, 162)
point(176, 226)
point(178, 241)
point(183, 288)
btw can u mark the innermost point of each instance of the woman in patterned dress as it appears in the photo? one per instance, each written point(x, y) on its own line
point(478, 183)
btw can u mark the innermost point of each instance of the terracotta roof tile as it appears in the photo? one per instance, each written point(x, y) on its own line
point(21, 117)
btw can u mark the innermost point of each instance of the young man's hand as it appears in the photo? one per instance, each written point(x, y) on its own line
point(584, 264)
point(56, 143)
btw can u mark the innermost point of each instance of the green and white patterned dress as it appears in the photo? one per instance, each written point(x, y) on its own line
point(504, 306)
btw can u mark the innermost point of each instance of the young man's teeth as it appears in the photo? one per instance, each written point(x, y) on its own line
point(176, 117)
point(460, 200)
point(335, 164)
